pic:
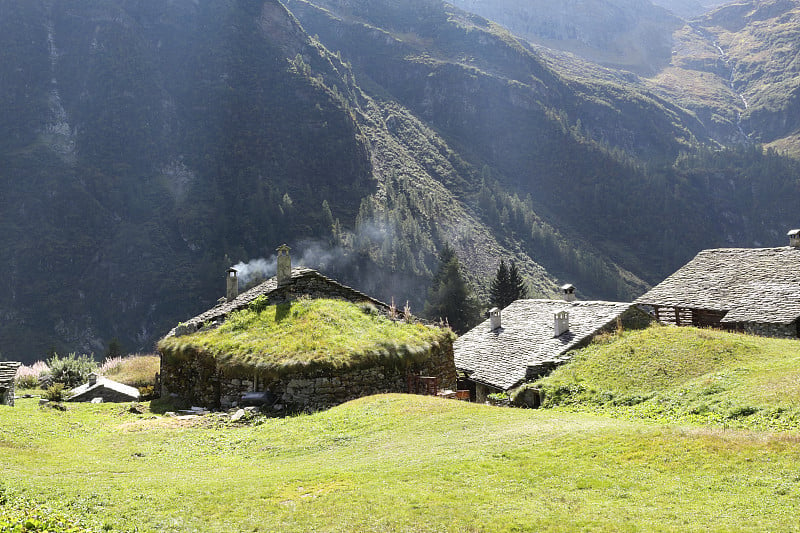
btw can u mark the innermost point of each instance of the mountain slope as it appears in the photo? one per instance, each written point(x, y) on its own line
point(156, 145)
point(147, 147)
point(598, 157)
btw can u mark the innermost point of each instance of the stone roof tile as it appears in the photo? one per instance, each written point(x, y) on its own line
point(8, 371)
point(85, 391)
point(751, 284)
point(501, 358)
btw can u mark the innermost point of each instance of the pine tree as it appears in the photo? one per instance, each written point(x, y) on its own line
point(114, 349)
point(518, 288)
point(499, 286)
point(507, 285)
point(451, 298)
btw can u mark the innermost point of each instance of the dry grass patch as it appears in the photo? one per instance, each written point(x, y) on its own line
point(134, 370)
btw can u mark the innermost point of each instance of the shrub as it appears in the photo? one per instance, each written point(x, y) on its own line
point(498, 398)
point(28, 376)
point(72, 370)
point(56, 393)
point(147, 393)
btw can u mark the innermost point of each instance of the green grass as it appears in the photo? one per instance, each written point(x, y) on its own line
point(308, 332)
point(686, 375)
point(396, 463)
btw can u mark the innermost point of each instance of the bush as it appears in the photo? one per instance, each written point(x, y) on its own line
point(72, 370)
point(56, 393)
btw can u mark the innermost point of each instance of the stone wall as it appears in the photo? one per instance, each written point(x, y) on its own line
point(7, 394)
point(198, 379)
point(785, 331)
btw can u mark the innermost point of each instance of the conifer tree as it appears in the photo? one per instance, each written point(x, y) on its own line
point(507, 285)
point(451, 298)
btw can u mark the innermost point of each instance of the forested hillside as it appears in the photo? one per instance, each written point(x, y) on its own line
point(146, 147)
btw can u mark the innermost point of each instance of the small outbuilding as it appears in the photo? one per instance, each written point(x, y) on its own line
point(529, 338)
point(106, 389)
point(8, 373)
point(752, 290)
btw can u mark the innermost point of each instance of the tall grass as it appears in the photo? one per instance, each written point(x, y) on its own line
point(28, 376)
point(138, 370)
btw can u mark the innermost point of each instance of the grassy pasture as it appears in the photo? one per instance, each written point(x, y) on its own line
point(684, 375)
point(396, 463)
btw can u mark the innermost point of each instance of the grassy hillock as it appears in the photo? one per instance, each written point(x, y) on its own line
point(307, 333)
point(392, 463)
point(685, 374)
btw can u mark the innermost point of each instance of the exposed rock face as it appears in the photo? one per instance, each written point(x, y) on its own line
point(631, 34)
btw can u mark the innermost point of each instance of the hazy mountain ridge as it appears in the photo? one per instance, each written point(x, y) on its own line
point(631, 34)
point(157, 145)
point(734, 65)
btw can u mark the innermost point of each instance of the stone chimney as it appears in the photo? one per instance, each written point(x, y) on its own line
point(284, 265)
point(494, 317)
point(794, 238)
point(92, 379)
point(568, 292)
point(561, 322)
point(232, 284)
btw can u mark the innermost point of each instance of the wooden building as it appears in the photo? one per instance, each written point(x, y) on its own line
point(753, 290)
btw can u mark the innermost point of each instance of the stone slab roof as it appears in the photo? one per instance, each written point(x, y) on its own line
point(502, 358)
point(87, 391)
point(752, 284)
point(301, 277)
point(8, 371)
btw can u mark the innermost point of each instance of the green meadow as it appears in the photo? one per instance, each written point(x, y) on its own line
point(422, 464)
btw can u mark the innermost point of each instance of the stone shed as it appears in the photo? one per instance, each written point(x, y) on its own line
point(106, 389)
point(300, 342)
point(752, 290)
point(8, 373)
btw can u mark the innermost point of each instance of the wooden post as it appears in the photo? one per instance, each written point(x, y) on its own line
point(677, 316)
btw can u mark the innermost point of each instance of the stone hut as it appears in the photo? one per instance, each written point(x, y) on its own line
point(211, 380)
point(529, 338)
point(106, 389)
point(752, 290)
point(8, 373)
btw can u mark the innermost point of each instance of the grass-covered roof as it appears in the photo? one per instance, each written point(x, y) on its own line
point(684, 375)
point(307, 333)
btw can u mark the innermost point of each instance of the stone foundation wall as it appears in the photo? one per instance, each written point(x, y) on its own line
point(197, 379)
point(7, 394)
point(784, 331)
